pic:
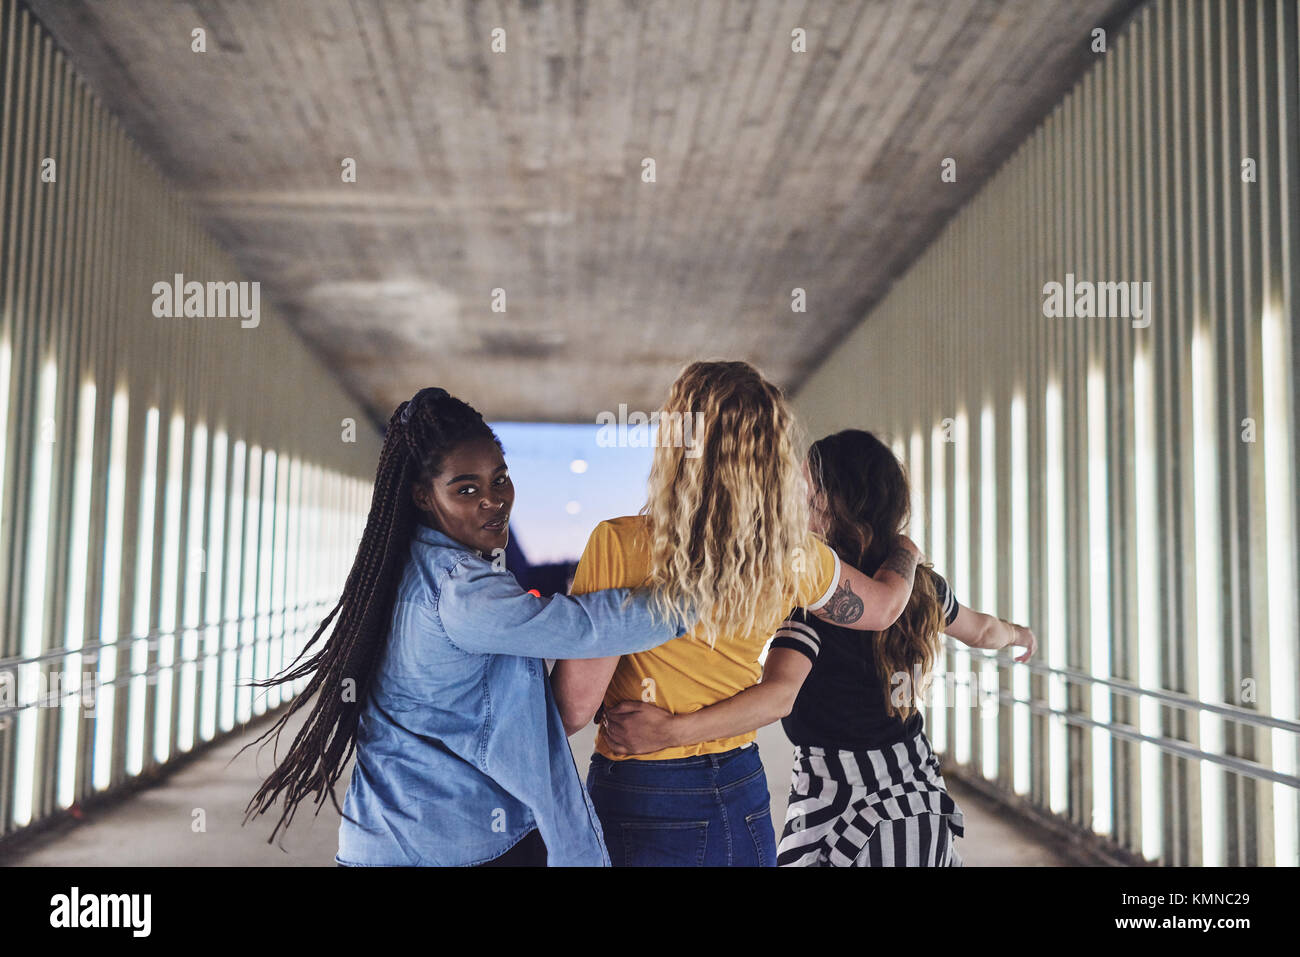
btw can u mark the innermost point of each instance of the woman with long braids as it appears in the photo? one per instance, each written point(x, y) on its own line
point(434, 676)
point(866, 788)
point(725, 532)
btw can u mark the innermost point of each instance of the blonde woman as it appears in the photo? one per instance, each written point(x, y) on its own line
point(724, 533)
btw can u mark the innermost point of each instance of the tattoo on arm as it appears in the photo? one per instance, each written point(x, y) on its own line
point(902, 562)
point(844, 607)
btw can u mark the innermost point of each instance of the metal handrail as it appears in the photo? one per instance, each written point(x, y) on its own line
point(48, 701)
point(1242, 766)
point(1120, 686)
point(86, 649)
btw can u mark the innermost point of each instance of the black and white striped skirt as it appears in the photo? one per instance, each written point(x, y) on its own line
point(878, 808)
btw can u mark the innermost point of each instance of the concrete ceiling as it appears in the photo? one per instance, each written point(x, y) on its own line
point(522, 170)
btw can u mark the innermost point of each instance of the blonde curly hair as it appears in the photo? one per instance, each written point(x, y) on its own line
point(727, 510)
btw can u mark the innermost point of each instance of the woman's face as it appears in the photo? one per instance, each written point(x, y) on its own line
point(818, 522)
point(471, 498)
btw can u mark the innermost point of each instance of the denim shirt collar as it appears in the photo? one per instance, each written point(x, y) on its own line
point(432, 536)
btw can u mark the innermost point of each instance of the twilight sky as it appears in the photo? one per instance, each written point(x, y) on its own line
point(547, 489)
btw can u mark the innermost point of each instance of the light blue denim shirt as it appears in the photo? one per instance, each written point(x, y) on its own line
point(460, 747)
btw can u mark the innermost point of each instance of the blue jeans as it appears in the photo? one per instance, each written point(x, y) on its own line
point(713, 810)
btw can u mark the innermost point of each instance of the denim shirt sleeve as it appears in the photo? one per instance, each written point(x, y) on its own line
point(486, 611)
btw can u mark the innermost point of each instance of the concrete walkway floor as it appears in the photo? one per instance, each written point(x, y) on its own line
point(154, 827)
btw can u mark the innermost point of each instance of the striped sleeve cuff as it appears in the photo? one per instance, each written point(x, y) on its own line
point(797, 636)
point(948, 600)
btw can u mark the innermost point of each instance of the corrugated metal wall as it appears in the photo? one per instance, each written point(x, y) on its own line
point(1128, 490)
point(178, 498)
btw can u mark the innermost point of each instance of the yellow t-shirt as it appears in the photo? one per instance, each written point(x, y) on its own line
point(685, 674)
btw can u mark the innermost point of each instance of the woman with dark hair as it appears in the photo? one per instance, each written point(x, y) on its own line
point(434, 672)
point(866, 788)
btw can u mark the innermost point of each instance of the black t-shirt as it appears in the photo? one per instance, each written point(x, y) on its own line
point(841, 705)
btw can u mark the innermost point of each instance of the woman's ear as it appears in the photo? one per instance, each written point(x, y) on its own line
point(420, 496)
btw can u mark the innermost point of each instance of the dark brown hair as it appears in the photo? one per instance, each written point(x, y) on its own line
point(867, 500)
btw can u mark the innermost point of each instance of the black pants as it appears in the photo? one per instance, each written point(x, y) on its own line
point(529, 852)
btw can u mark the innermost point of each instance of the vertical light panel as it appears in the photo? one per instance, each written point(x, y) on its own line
point(963, 699)
point(1146, 508)
point(110, 609)
point(195, 572)
point(293, 567)
point(316, 554)
point(916, 475)
point(1020, 685)
point(1054, 479)
point(988, 551)
point(140, 636)
point(309, 556)
point(1099, 557)
point(938, 720)
point(248, 599)
point(265, 566)
point(6, 360)
point(1279, 503)
point(232, 628)
point(1209, 583)
point(335, 526)
point(280, 549)
point(30, 677)
point(215, 565)
point(167, 612)
point(75, 629)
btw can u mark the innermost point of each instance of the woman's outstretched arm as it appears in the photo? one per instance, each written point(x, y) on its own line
point(979, 630)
